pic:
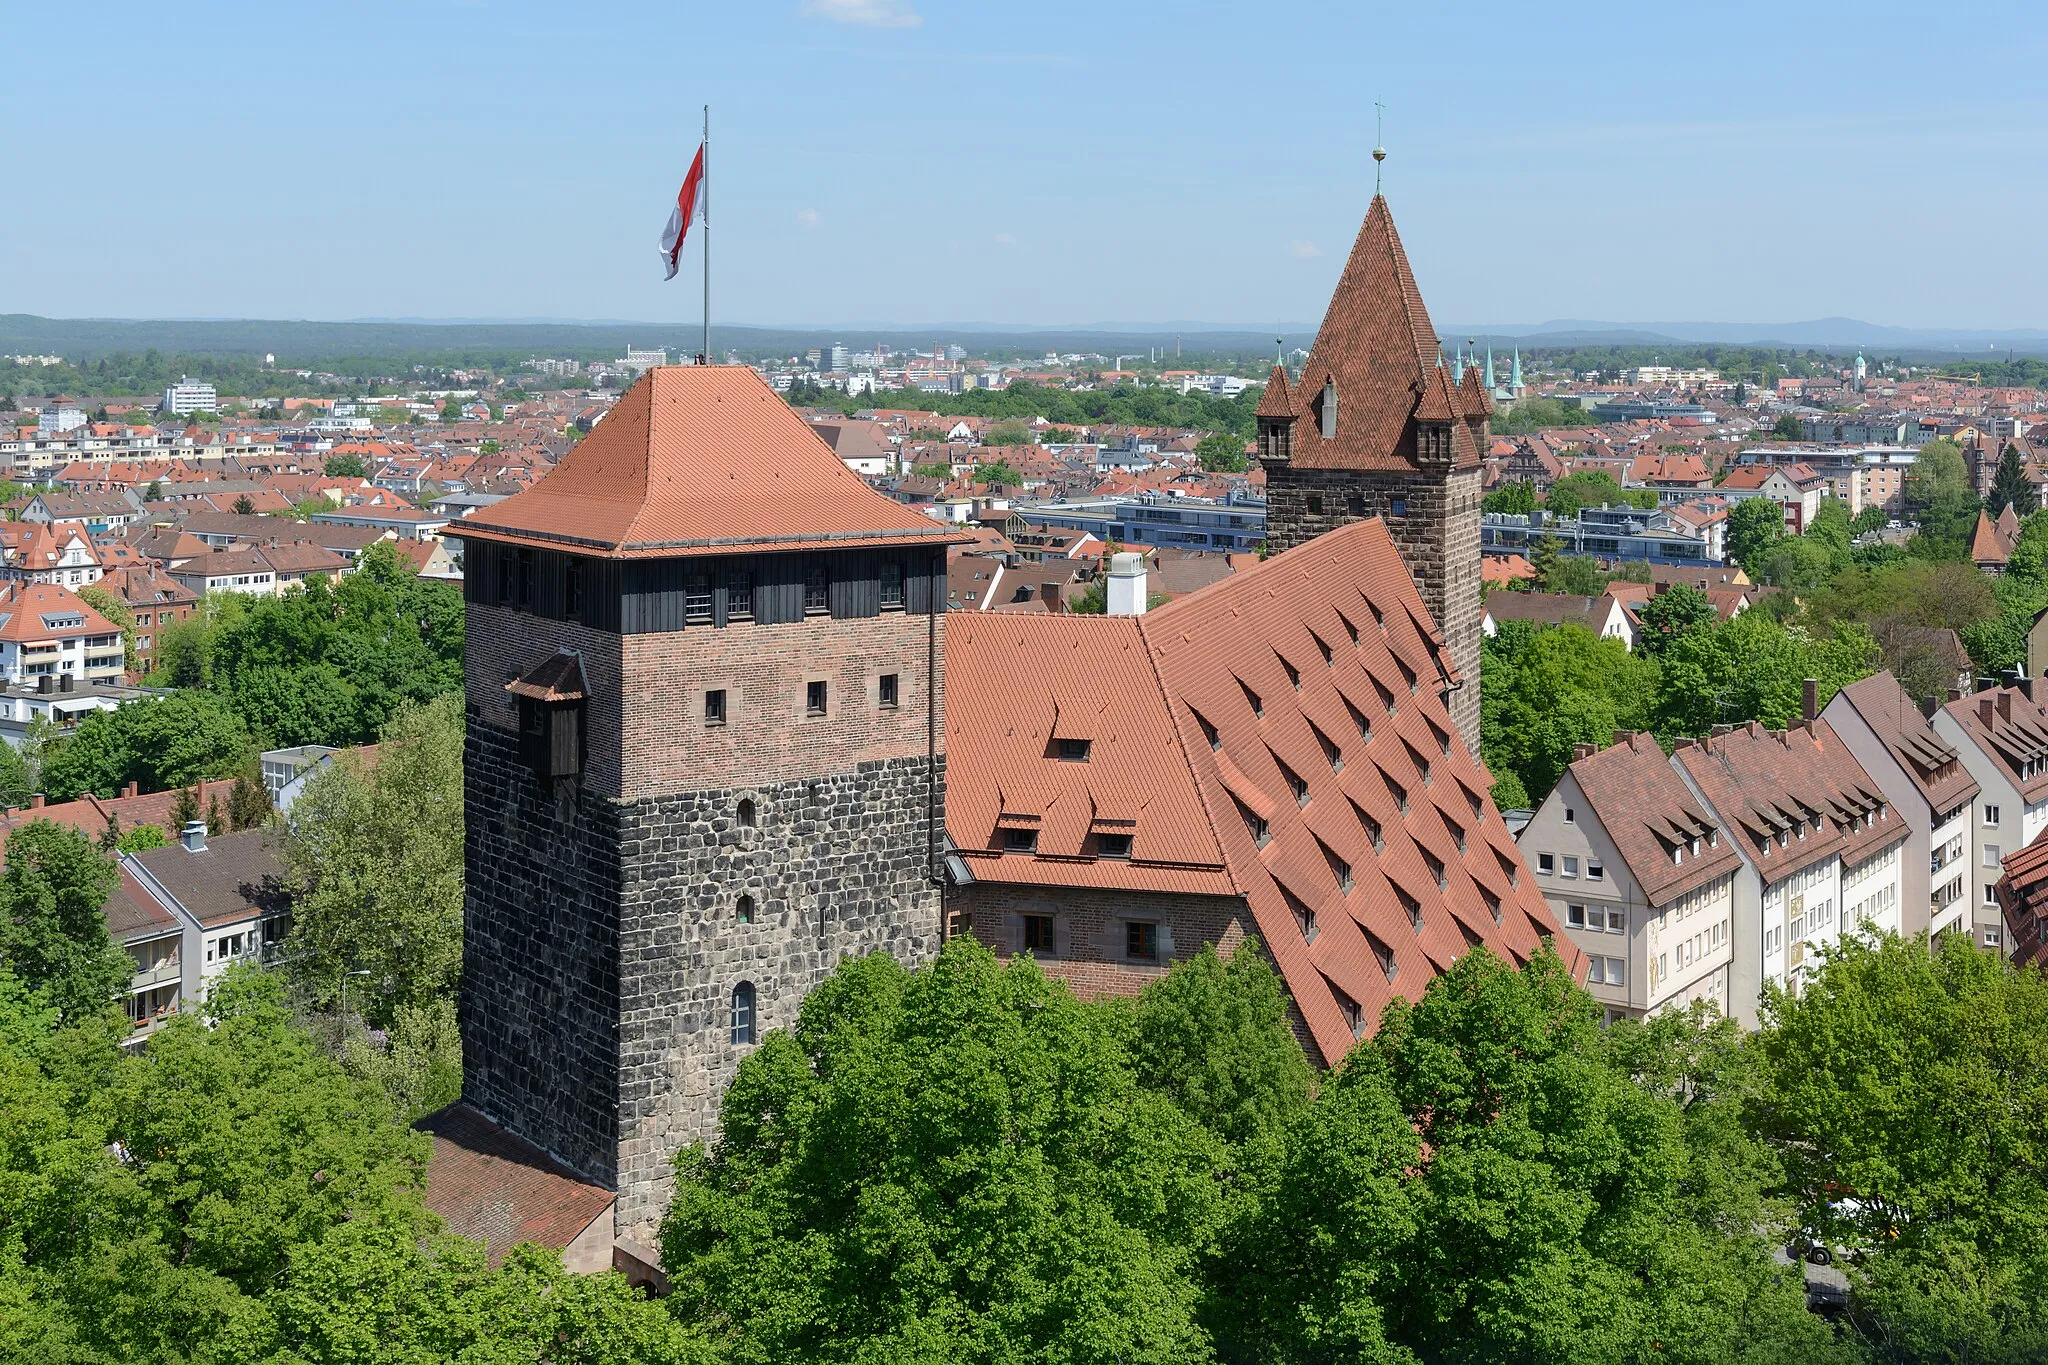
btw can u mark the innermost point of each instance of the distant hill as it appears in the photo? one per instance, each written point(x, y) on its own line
point(1826, 332)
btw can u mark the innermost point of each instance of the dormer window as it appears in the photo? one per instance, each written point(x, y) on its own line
point(1326, 410)
point(1074, 750)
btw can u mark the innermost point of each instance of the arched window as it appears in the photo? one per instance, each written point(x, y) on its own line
point(746, 812)
point(743, 909)
point(743, 1013)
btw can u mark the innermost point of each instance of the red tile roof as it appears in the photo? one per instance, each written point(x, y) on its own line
point(494, 1186)
point(1648, 812)
point(701, 459)
point(1377, 344)
point(27, 610)
point(1794, 797)
point(1348, 756)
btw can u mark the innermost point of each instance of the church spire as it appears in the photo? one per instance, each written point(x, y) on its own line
point(1490, 381)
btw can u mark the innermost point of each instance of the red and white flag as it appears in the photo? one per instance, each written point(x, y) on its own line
point(680, 219)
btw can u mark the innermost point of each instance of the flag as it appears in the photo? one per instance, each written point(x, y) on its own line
point(679, 220)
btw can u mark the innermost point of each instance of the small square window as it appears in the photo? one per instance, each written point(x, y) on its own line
point(886, 690)
point(1354, 505)
point(1596, 972)
point(1141, 941)
point(1991, 855)
point(1617, 922)
point(1991, 815)
point(1991, 893)
point(1575, 916)
point(1074, 750)
point(814, 698)
point(1400, 507)
point(1571, 866)
point(1020, 841)
point(1038, 933)
point(1315, 504)
point(714, 706)
point(1113, 845)
point(1595, 872)
point(892, 586)
point(1617, 972)
point(1546, 864)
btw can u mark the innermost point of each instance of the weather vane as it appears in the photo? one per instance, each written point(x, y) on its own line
point(1379, 150)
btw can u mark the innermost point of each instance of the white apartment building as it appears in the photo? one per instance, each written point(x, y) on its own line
point(1640, 876)
point(188, 396)
point(637, 360)
point(55, 420)
point(1821, 847)
point(2001, 735)
point(49, 631)
point(1924, 778)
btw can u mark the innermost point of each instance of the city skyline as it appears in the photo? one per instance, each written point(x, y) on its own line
point(879, 159)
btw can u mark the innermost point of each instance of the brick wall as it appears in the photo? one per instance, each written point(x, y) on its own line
point(1438, 536)
point(1088, 929)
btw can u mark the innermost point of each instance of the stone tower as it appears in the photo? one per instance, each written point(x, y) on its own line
point(1376, 427)
point(703, 764)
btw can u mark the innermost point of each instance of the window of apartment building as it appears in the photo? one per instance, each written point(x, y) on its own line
point(1074, 750)
point(743, 909)
point(1991, 893)
point(1020, 841)
point(1571, 817)
point(814, 697)
point(1617, 921)
point(817, 590)
point(1038, 934)
point(743, 1014)
point(1991, 855)
point(1141, 941)
point(1993, 937)
point(1113, 845)
point(696, 597)
point(1571, 866)
point(1546, 864)
point(714, 706)
point(1595, 872)
point(887, 691)
point(892, 587)
point(739, 596)
point(1991, 816)
point(1575, 916)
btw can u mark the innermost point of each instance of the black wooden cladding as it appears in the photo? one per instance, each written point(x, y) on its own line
point(650, 596)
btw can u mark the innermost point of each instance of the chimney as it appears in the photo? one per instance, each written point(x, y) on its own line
point(46, 684)
point(1986, 709)
point(1811, 705)
point(1049, 593)
point(193, 836)
point(2004, 704)
point(64, 681)
point(36, 802)
point(1928, 706)
point(1684, 742)
point(1126, 587)
point(1580, 751)
point(2026, 687)
point(1955, 694)
point(132, 789)
point(1720, 730)
point(1660, 589)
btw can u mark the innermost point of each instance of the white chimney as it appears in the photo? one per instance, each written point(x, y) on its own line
point(1126, 594)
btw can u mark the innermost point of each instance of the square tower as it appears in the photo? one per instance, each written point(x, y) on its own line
point(1375, 427)
point(704, 763)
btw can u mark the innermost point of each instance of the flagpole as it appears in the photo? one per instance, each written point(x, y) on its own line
point(705, 190)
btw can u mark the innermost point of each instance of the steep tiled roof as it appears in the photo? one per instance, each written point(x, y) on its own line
point(494, 1186)
point(1793, 797)
point(1928, 759)
point(1987, 546)
point(1281, 734)
point(1548, 608)
point(1649, 814)
point(44, 611)
point(2023, 897)
point(2012, 728)
point(1377, 345)
point(701, 458)
point(1276, 401)
point(236, 876)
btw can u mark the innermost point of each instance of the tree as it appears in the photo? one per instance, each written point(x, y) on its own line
point(1798, 563)
point(1578, 575)
point(1546, 690)
point(159, 742)
point(1222, 453)
point(245, 506)
point(998, 472)
point(373, 857)
point(52, 936)
point(1007, 434)
point(1787, 427)
point(345, 465)
point(937, 470)
point(1753, 524)
point(954, 1164)
point(18, 779)
point(1512, 499)
point(1594, 488)
point(2010, 486)
point(102, 600)
point(1871, 518)
point(1679, 610)
point(1908, 1094)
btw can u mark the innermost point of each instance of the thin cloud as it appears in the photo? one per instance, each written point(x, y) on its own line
point(1006, 239)
point(807, 218)
point(1304, 251)
point(865, 13)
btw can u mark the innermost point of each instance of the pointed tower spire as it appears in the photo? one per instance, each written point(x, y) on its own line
point(1515, 375)
point(1490, 381)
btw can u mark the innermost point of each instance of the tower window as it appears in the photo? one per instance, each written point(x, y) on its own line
point(743, 909)
point(525, 586)
point(745, 812)
point(743, 1024)
point(1315, 504)
point(886, 690)
point(814, 697)
point(817, 590)
point(1355, 504)
point(714, 706)
point(1141, 941)
point(697, 597)
point(1400, 507)
point(1038, 934)
point(892, 586)
point(572, 590)
point(1074, 750)
point(1327, 417)
point(739, 596)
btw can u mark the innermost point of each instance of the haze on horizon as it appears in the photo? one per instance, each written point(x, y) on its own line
point(1050, 165)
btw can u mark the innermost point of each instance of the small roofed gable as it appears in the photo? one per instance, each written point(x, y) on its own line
point(705, 459)
point(1278, 399)
point(557, 678)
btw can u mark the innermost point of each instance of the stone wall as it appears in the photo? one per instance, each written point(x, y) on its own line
point(1437, 533)
point(836, 867)
point(1088, 929)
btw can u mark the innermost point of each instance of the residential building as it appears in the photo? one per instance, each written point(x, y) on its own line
point(1604, 615)
point(198, 907)
point(156, 600)
point(1923, 776)
point(2001, 736)
point(1656, 534)
point(188, 396)
point(407, 523)
point(1642, 877)
point(286, 771)
point(1161, 519)
point(243, 571)
point(1796, 488)
point(94, 512)
point(61, 555)
point(2023, 901)
point(46, 630)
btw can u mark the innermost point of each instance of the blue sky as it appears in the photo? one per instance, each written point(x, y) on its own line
point(931, 160)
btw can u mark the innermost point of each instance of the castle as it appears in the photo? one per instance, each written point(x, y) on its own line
point(709, 736)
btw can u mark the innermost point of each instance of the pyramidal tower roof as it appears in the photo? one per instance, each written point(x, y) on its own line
point(1379, 350)
point(703, 459)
